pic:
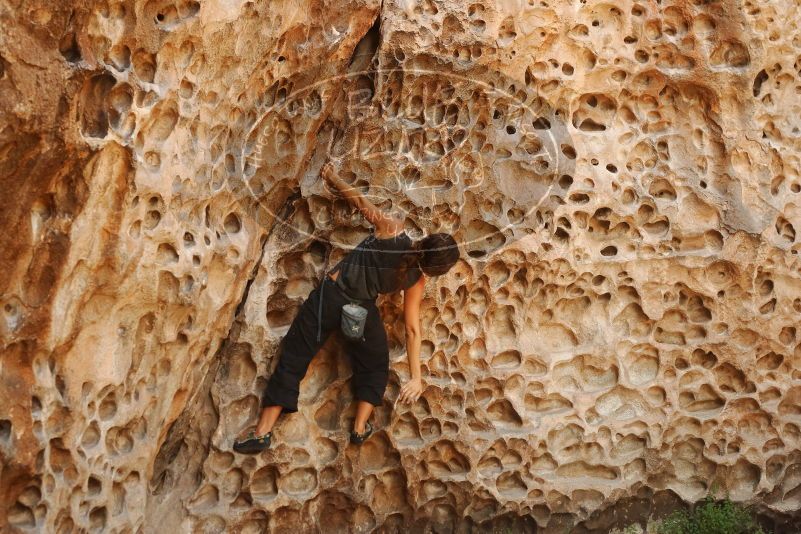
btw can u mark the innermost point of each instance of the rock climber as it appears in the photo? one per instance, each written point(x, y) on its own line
point(384, 262)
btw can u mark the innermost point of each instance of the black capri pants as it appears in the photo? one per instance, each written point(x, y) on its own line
point(369, 357)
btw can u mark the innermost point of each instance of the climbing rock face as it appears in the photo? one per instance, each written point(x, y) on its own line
point(620, 334)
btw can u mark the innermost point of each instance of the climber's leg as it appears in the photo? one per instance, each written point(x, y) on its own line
point(297, 350)
point(269, 416)
point(363, 411)
point(369, 358)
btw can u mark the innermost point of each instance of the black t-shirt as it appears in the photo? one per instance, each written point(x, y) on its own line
point(372, 267)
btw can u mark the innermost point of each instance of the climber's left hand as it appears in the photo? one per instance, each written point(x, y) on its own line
point(327, 172)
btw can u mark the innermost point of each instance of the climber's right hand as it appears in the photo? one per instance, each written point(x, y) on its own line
point(411, 391)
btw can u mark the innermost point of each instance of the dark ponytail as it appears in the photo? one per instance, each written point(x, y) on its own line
point(434, 255)
point(409, 260)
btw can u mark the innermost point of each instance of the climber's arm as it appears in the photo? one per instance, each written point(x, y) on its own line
point(385, 223)
point(412, 297)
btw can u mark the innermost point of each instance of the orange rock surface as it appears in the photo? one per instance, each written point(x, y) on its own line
point(621, 334)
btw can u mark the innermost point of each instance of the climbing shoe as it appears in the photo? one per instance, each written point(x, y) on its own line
point(357, 438)
point(253, 444)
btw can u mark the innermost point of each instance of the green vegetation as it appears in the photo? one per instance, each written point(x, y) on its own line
point(711, 516)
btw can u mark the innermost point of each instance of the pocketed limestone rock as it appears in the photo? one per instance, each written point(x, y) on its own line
point(619, 336)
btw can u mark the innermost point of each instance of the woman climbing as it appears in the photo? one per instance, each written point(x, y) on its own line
point(384, 262)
